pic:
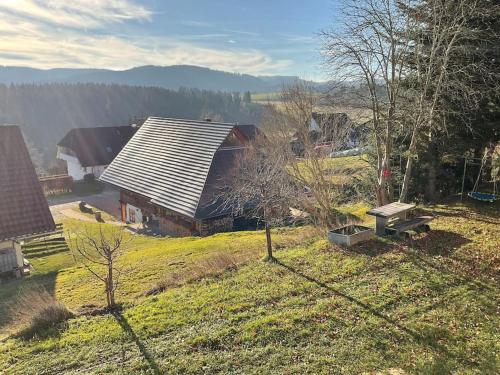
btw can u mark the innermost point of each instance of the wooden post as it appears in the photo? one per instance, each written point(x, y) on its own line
point(463, 181)
point(380, 225)
point(269, 243)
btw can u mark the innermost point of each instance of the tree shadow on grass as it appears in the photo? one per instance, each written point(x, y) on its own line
point(485, 212)
point(439, 242)
point(123, 322)
point(426, 263)
point(420, 338)
point(372, 248)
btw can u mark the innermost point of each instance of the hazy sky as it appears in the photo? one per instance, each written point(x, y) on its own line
point(253, 36)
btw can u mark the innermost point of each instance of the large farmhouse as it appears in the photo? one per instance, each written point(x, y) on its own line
point(171, 171)
point(91, 150)
point(23, 207)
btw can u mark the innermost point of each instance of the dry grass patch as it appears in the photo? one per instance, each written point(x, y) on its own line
point(34, 312)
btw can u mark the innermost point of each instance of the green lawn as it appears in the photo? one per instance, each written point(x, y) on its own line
point(147, 261)
point(341, 170)
point(430, 307)
point(266, 97)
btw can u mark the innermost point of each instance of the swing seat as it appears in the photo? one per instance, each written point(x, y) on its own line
point(485, 197)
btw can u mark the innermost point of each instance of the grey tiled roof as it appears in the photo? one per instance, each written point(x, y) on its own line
point(168, 161)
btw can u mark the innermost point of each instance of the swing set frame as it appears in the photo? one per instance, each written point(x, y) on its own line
point(472, 161)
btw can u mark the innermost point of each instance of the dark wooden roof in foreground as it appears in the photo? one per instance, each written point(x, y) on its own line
point(23, 207)
point(169, 161)
point(210, 203)
point(99, 145)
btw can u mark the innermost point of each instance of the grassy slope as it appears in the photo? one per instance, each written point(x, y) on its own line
point(360, 115)
point(430, 308)
point(341, 170)
point(147, 261)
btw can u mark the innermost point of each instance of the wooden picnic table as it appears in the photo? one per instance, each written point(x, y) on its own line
point(390, 211)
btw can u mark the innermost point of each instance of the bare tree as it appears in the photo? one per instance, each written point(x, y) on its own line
point(317, 138)
point(371, 47)
point(405, 71)
point(261, 187)
point(98, 252)
point(433, 74)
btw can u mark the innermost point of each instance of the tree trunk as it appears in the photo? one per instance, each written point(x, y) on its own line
point(269, 243)
point(409, 167)
point(431, 193)
point(111, 292)
point(382, 198)
point(431, 183)
point(406, 180)
point(106, 288)
point(382, 191)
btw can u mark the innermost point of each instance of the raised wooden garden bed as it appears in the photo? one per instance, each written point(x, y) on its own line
point(350, 235)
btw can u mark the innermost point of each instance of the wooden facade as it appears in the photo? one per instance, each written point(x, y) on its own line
point(56, 184)
point(171, 223)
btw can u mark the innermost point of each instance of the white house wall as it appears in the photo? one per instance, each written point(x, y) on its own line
point(76, 170)
point(97, 170)
point(313, 126)
point(134, 214)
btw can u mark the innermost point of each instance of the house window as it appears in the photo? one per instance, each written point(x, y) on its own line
point(131, 215)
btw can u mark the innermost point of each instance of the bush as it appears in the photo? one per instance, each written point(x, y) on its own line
point(35, 311)
point(48, 317)
point(89, 178)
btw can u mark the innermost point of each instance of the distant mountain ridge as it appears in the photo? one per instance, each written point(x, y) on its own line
point(170, 77)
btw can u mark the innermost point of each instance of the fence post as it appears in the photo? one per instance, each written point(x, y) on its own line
point(463, 180)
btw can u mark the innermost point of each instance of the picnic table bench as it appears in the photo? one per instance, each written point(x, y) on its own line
point(419, 224)
point(392, 219)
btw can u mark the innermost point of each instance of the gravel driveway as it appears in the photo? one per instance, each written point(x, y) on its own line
point(106, 201)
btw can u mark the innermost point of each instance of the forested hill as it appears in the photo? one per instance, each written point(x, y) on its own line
point(46, 112)
point(169, 77)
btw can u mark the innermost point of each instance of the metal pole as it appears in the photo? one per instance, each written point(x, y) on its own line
point(463, 181)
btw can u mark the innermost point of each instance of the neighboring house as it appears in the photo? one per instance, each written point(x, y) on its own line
point(324, 130)
point(91, 150)
point(24, 210)
point(171, 172)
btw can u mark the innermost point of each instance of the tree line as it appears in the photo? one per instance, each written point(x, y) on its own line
point(45, 112)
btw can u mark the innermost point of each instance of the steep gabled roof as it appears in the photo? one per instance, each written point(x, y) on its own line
point(99, 145)
point(327, 121)
point(251, 132)
point(23, 207)
point(210, 204)
point(169, 160)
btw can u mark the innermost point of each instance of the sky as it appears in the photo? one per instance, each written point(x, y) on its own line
point(261, 37)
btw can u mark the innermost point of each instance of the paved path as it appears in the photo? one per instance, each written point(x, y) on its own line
point(72, 213)
point(107, 201)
